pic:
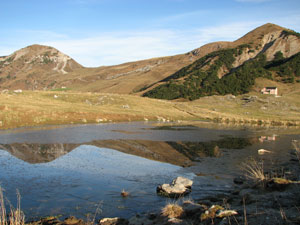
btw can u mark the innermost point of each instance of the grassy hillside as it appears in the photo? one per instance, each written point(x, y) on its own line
point(56, 107)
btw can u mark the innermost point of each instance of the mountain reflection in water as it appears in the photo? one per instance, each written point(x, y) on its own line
point(181, 153)
point(68, 170)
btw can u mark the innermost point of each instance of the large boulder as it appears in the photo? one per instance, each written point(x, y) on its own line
point(179, 187)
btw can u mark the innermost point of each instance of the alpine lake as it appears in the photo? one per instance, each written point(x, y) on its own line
point(80, 169)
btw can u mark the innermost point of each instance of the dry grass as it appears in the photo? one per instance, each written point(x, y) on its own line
point(3, 217)
point(34, 108)
point(41, 108)
point(254, 170)
point(172, 210)
point(262, 109)
point(16, 216)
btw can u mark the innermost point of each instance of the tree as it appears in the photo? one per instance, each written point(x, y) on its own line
point(278, 56)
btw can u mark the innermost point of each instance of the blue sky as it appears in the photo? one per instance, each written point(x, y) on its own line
point(109, 32)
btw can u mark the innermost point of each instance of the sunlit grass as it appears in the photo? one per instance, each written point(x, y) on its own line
point(254, 170)
point(172, 210)
point(33, 108)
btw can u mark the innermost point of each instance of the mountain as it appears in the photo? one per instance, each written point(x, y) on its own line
point(38, 153)
point(176, 153)
point(33, 67)
point(269, 51)
point(40, 67)
point(44, 68)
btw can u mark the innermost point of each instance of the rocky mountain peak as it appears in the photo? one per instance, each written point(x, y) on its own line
point(39, 56)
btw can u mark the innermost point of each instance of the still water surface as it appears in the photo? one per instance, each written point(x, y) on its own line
point(69, 170)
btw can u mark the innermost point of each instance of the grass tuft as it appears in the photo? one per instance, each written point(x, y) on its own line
point(254, 170)
point(16, 216)
point(172, 210)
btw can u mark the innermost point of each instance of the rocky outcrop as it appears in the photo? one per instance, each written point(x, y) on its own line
point(271, 43)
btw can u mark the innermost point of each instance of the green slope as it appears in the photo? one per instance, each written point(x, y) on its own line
point(286, 70)
point(201, 77)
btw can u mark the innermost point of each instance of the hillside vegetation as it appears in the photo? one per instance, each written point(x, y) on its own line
point(286, 70)
point(215, 73)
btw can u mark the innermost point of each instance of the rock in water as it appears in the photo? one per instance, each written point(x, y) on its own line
point(179, 187)
point(184, 181)
point(170, 189)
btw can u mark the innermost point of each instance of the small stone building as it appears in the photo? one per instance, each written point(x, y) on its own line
point(270, 91)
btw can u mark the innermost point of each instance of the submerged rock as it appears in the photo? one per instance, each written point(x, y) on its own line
point(191, 208)
point(73, 221)
point(179, 187)
point(279, 184)
point(239, 180)
point(137, 220)
point(51, 220)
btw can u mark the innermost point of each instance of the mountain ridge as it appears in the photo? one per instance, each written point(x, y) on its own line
point(56, 70)
point(233, 70)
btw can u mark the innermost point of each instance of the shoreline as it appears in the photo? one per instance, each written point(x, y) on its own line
point(216, 121)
